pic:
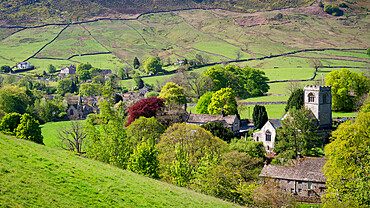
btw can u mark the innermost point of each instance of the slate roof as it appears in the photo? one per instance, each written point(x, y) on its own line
point(306, 169)
point(206, 118)
point(275, 123)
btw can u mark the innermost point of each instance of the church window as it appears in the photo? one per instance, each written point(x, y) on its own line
point(325, 98)
point(268, 135)
point(311, 98)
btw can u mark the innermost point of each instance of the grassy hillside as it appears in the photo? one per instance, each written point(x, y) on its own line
point(33, 175)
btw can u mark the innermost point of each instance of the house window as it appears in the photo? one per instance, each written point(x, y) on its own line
point(299, 182)
point(268, 135)
point(299, 190)
point(292, 190)
point(288, 181)
point(309, 185)
point(311, 98)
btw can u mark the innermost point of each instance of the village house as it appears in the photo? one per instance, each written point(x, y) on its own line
point(69, 70)
point(231, 122)
point(318, 100)
point(81, 109)
point(23, 65)
point(305, 180)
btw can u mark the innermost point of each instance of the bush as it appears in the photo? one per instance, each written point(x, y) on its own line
point(333, 10)
point(321, 4)
point(343, 5)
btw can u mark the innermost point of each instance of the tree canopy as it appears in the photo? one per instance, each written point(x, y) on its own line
point(259, 116)
point(29, 129)
point(147, 107)
point(348, 169)
point(217, 129)
point(143, 129)
point(223, 99)
point(15, 99)
point(246, 82)
point(173, 94)
point(183, 145)
point(347, 88)
point(296, 100)
point(10, 122)
point(152, 65)
point(203, 103)
point(297, 135)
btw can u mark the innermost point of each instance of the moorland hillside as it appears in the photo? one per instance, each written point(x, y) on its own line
point(33, 175)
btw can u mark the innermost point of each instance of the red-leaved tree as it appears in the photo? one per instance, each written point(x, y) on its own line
point(146, 107)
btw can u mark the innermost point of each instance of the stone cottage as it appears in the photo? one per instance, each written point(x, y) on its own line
point(81, 109)
point(305, 179)
point(231, 122)
point(69, 70)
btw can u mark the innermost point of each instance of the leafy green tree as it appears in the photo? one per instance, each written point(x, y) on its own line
point(94, 72)
point(203, 103)
point(106, 136)
point(144, 159)
point(136, 63)
point(89, 89)
point(10, 122)
point(29, 129)
point(187, 140)
point(368, 52)
point(223, 99)
point(246, 82)
point(139, 82)
point(83, 71)
point(297, 135)
point(252, 148)
point(173, 94)
point(5, 69)
point(259, 116)
point(51, 69)
point(225, 177)
point(333, 10)
point(342, 83)
point(46, 110)
point(148, 128)
point(217, 129)
point(347, 171)
point(64, 86)
point(296, 100)
point(152, 65)
point(15, 99)
point(151, 94)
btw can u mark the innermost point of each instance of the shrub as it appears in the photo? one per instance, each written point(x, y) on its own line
point(343, 5)
point(333, 10)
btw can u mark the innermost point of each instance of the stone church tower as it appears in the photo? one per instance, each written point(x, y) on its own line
point(318, 100)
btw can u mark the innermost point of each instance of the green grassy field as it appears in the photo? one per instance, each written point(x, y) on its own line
point(33, 175)
point(50, 131)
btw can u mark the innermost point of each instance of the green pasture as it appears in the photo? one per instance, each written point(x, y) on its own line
point(266, 98)
point(357, 54)
point(50, 132)
point(25, 43)
point(33, 175)
point(102, 61)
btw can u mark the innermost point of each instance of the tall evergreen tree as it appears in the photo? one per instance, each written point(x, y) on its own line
point(296, 100)
point(136, 63)
point(259, 116)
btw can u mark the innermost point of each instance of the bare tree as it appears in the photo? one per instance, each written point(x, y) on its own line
point(292, 86)
point(72, 138)
point(315, 63)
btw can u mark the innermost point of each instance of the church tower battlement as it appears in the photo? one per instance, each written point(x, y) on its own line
point(318, 100)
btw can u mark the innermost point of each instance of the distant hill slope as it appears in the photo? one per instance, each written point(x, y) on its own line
point(28, 12)
point(33, 175)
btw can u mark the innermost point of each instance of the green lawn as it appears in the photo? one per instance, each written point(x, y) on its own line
point(33, 175)
point(50, 132)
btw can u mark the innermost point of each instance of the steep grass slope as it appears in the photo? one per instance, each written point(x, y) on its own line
point(33, 175)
